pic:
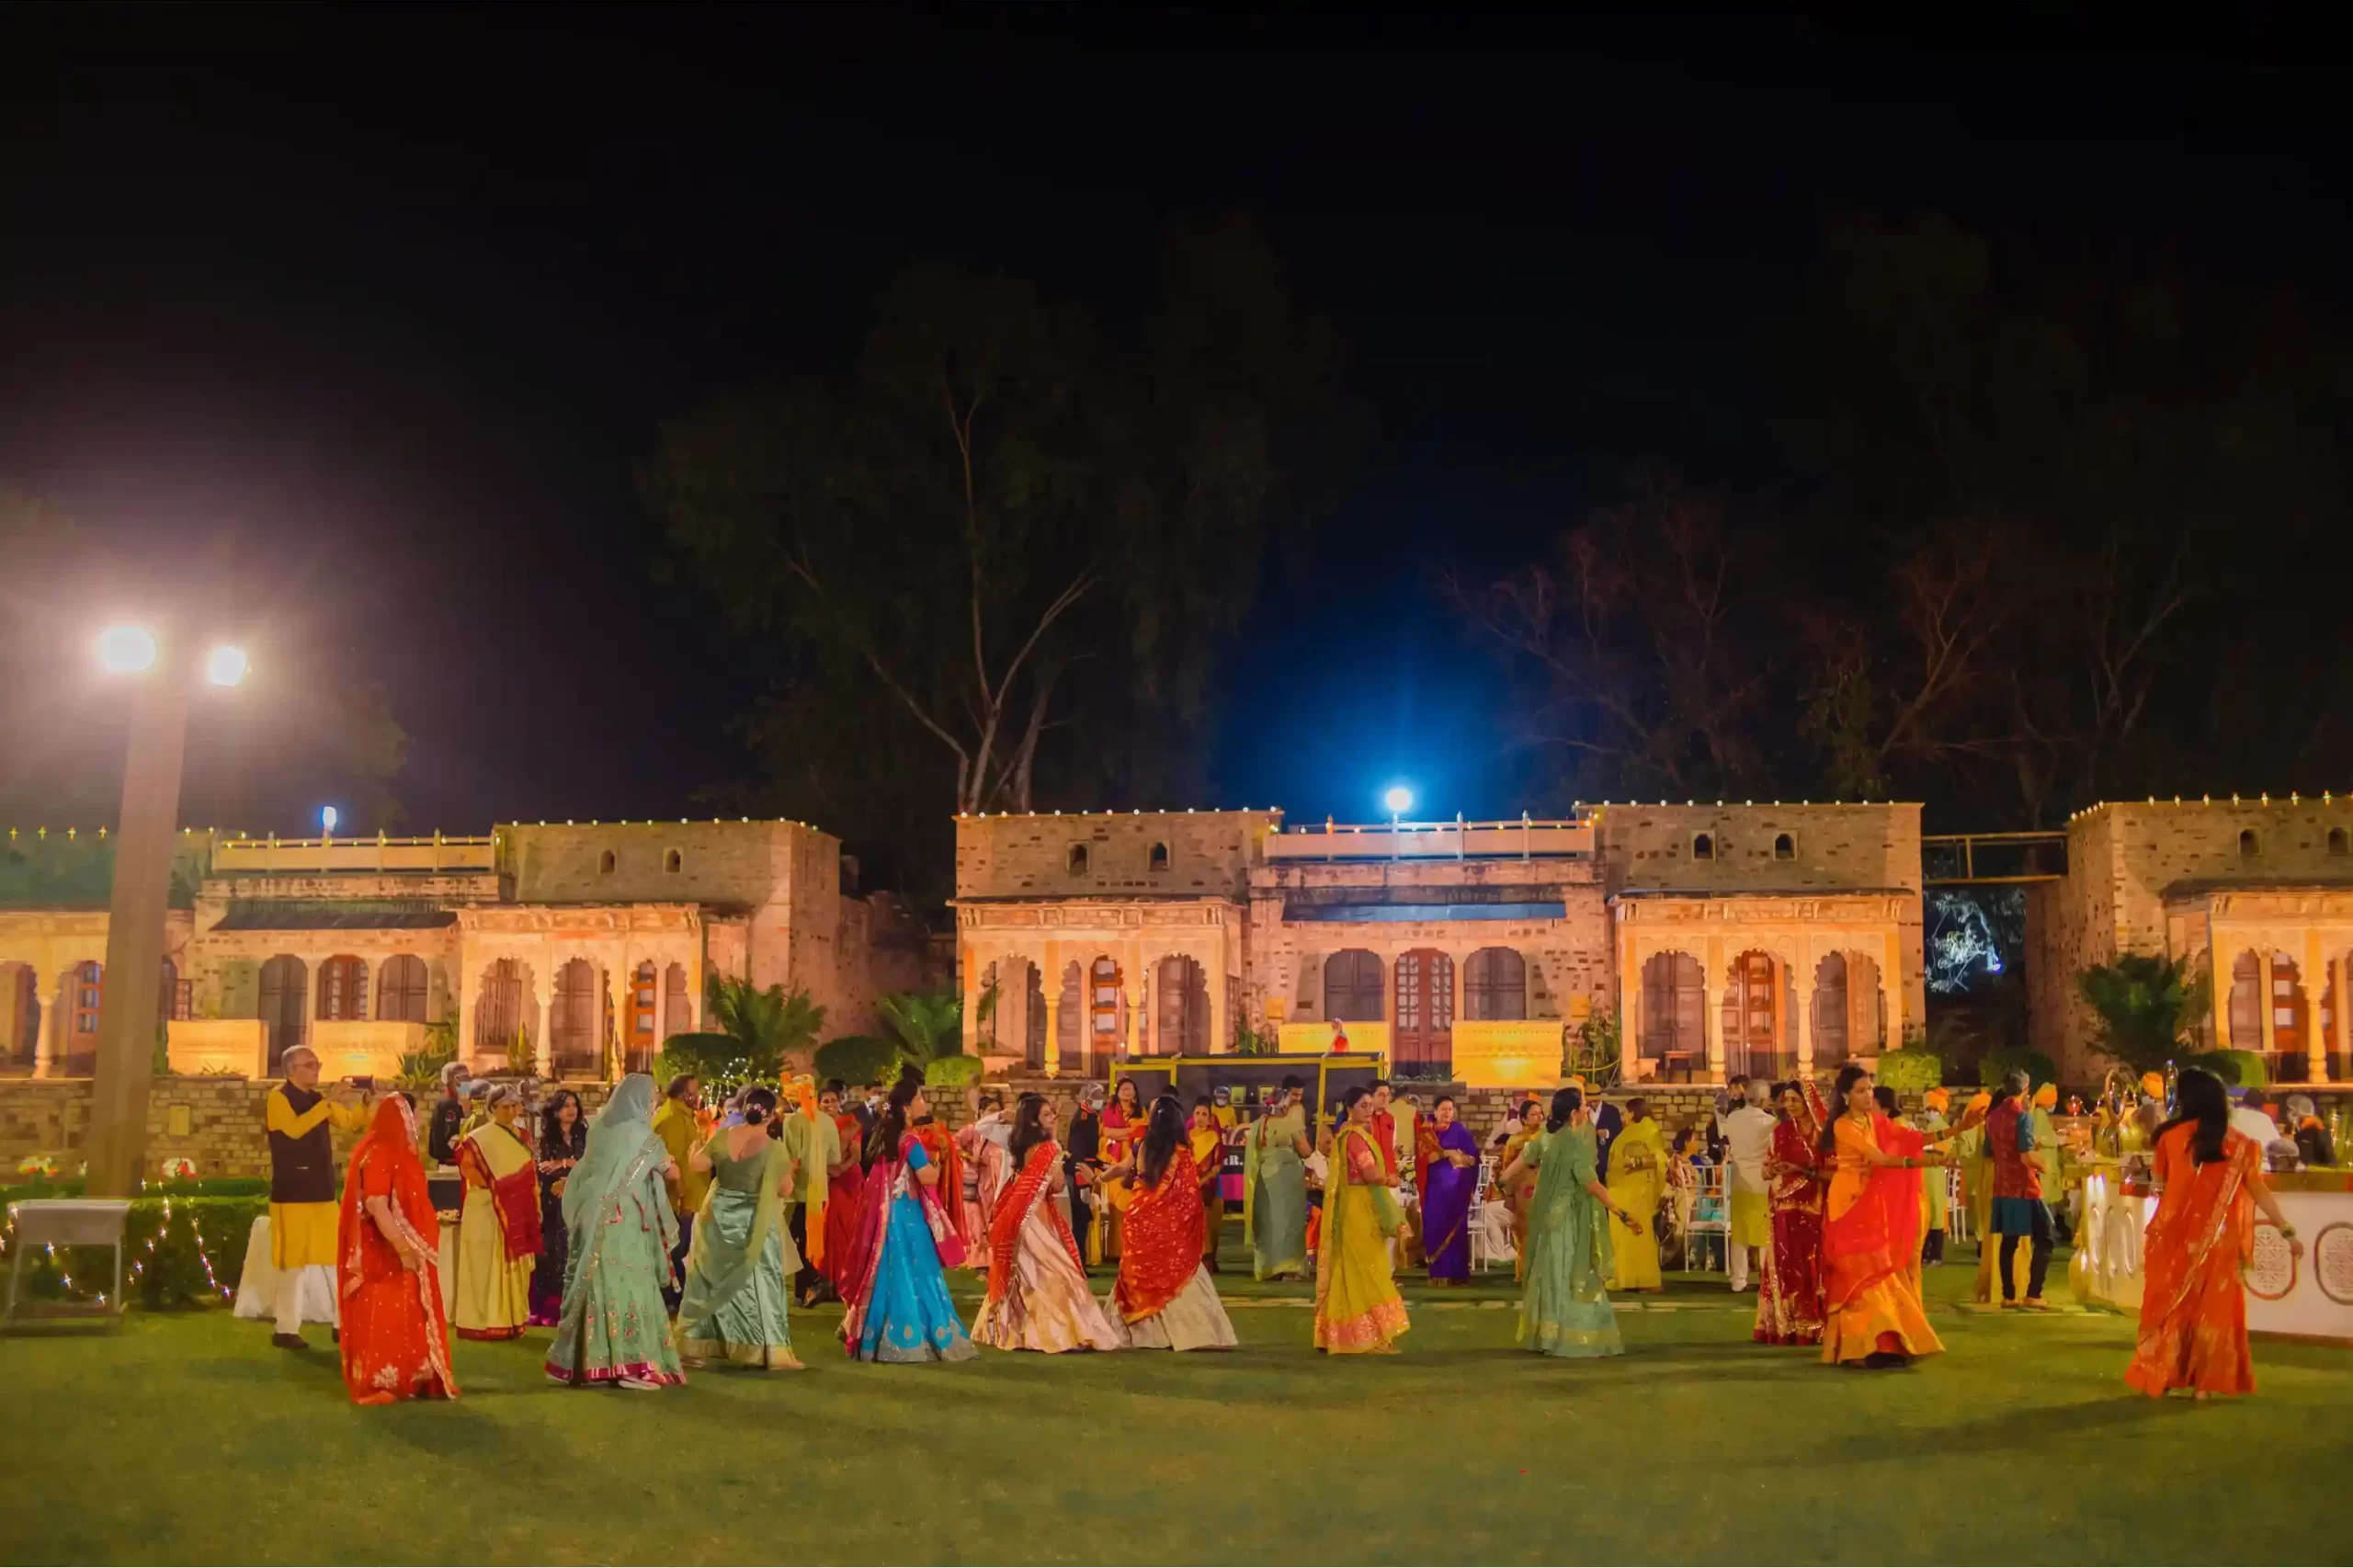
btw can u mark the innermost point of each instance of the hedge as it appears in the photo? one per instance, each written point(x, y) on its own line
point(167, 1245)
point(953, 1072)
point(208, 1186)
point(858, 1058)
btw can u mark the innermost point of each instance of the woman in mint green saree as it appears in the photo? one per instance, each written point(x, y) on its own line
point(741, 1260)
point(1566, 1310)
point(617, 1208)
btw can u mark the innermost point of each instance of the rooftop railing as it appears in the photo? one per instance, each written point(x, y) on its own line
point(438, 853)
point(1525, 839)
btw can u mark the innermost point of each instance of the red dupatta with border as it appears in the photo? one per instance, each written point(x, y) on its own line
point(1041, 1171)
point(1163, 1245)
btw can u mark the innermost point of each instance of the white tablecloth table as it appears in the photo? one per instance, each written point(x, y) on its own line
point(257, 1285)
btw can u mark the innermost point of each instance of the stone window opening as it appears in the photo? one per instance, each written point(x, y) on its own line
point(1784, 846)
point(1075, 861)
point(343, 989)
point(2337, 844)
point(1495, 986)
point(1159, 857)
point(2250, 845)
point(1703, 846)
point(672, 860)
point(605, 864)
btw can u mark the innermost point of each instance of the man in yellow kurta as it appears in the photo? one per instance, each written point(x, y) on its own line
point(677, 1125)
point(1637, 1182)
point(302, 1208)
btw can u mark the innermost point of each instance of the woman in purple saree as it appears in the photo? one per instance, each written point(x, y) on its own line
point(1450, 1179)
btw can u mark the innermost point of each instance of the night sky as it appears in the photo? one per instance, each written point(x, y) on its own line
point(397, 298)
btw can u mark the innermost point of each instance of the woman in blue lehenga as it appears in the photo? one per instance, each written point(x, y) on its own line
point(898, 1308)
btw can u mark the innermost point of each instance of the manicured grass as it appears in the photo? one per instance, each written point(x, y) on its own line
point(186, 1438)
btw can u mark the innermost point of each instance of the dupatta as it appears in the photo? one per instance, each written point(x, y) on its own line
point(1903, 1189)
point(1040, 1169)
point(502, 1163)
point(389, 1146)
point(1164, 1239)
point(623, 1150)
point(728, 1274)
point(1859, 1246)
point(886, 1180)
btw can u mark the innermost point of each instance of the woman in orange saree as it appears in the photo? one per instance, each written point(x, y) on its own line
point(1872, 1315)
point(395, 1341)
point(1164, 1299)
point(2193, 1309)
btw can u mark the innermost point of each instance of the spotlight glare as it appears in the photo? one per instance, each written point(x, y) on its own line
point(127, 650)
point(1399, 799)
point(225, 666)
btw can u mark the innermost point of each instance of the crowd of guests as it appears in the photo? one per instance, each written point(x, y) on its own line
point(670, 1233)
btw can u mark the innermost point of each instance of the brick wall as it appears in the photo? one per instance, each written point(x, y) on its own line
point(1831, 846)
point(745, 864)
point(1029, 855)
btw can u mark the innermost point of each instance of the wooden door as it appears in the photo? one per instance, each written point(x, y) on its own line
point(642, 1037)
point(1751, 1010)
point(1352, 986)
point(284, 980)
point(2290, 1014)
point(573, 1032)
point(1421, 1039)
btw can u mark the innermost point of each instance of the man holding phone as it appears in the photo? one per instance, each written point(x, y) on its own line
point(301, 1123)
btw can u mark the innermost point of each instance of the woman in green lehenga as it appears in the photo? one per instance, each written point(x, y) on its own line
point(1274, 1187)
point(740, 1263)
point(1566, 1310)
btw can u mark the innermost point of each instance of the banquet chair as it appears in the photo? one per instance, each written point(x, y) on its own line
point(1476, 1220)
point(1708, 1239)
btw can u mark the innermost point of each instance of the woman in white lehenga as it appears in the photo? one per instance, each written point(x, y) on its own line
point(1038, 1298)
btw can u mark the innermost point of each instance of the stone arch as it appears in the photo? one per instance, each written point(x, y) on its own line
point(1828, 1019)
point(1753, 1010)
point(404, 990)
point(642, 1037)
point(1494, 985)
point(503, 1009)
point(1352, 987)
point(1180, 1007)
point(1674, 1028)
point(2270, 1012)
point(285, 982)
point(575, 1009)
point(343, 989)
point(677, 1002)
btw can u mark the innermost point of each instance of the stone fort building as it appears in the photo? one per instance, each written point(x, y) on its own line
point(583, 945)
point(1758, 938)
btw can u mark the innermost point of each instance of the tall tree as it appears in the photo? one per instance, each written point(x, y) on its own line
point(1012, 526)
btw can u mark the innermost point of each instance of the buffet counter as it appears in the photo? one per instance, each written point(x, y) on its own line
point(2308, 1298)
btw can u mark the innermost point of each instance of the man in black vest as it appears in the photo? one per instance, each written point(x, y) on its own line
point(302, 1211)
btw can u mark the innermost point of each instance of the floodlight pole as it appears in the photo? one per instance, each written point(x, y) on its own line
point(130, 986)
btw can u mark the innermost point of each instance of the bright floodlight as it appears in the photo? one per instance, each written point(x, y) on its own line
point(327, 819)
point(127, 650)
point(1399, 799)
point(225, 666)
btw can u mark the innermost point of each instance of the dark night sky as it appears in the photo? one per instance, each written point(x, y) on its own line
point(402, 295)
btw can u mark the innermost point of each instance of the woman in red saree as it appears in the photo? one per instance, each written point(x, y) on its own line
point(1123, 1125)
point(1871, 1313)
point(395, 1341)
point(2193, 1308)
point(1788, 1297)
point(1164, 1298)
point(845, 1187)
point(1038, 1296)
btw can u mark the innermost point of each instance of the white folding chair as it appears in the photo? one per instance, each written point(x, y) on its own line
point(1708, 1240)
point(1957, 1219)
point(1477, 1219)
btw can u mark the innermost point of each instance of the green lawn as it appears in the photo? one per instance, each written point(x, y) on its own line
point(186, 1438)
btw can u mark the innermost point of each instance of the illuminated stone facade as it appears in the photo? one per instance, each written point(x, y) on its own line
point(1723, 939)
point(585, 945)
point(2255, 894)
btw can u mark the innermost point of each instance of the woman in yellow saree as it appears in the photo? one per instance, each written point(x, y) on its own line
point(1358, 1309)
point(1872, 1314)
point(1637, 1182)
point(498, 1231)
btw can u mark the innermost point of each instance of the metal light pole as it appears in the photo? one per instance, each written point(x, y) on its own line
point(131, 984)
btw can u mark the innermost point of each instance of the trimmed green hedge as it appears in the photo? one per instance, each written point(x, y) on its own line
point(1914, 1070)
point(168, 1241)
point(953, 1072)
point(857, 1059)
point(208, 1186)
